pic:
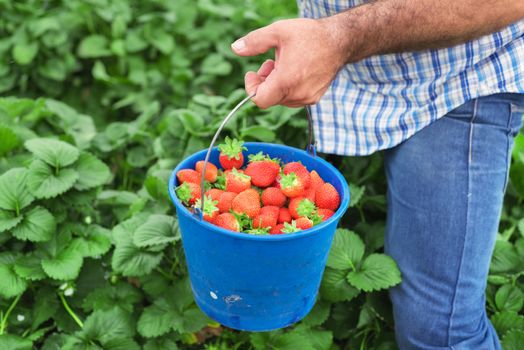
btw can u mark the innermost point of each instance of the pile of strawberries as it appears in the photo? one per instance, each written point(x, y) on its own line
point(265, 197)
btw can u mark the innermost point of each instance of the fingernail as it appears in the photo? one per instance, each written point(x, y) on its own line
point(239, 45)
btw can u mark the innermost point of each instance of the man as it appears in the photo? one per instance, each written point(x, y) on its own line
point(440, 86)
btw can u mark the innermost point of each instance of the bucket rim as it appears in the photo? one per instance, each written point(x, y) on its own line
point(182, 210)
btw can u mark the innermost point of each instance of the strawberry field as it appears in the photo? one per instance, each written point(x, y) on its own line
point(99, 101)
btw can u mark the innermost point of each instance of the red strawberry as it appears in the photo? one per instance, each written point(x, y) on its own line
point(300, 171)
point(247, 202)
point(264, 220)
point(291, 185)
point(277, 229)
point(301, 206)
point(327, 197)
point(231, 154)
point(211, 170)
point(273, 196)
point(237, 182)
point(262, 169)
point(225, 200)
point(309, 193)
point(188, 193)
point(304, 223)
point(284, 216)
point(188, 175)
point(210, 209)
point(214, 193)
point(316, 180)
point(325, 213)
point(270, 210)
point(227, 221)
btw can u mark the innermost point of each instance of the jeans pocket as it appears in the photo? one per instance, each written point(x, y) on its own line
point(464, 111)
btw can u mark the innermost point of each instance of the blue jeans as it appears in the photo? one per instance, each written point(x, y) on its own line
point(445, 190)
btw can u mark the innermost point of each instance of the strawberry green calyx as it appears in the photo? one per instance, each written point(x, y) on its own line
point(244, 221)
point(258, 231)
point(289, 180)
point(306, 208)
point(240, 175)
point(183, 192)
point(210, 206)
point(316, 218)
point(220, 183)
point(290, 228)
point(232, 148)
point(260, 156)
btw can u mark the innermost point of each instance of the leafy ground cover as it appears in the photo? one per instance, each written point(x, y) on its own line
point(101, 99)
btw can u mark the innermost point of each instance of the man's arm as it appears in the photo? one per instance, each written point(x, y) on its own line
point(309, 52)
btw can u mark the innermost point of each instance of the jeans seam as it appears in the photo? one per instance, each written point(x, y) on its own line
point(508, 146)
point(468, 205)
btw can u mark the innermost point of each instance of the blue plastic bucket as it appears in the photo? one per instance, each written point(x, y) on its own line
point(257, 282)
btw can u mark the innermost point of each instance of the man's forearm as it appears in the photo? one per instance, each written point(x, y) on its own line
point(388, 26)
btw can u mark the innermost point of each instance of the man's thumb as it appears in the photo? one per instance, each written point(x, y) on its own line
point(257, 42)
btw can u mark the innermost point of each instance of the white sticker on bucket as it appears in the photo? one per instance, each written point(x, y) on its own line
point(213, 295)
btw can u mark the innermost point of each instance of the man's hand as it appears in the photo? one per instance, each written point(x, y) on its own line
point(310, 52)
point(307, 57)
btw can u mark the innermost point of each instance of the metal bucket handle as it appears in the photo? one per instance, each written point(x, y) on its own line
point(310, 148)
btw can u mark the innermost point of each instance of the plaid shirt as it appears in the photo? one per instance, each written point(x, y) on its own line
point(382, 100)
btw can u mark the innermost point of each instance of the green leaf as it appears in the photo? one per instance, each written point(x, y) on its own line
point(121, 344)
point(160, 344)
point(509, 298)
point(29, 267)
point(131, 260)
point(95, 242)
point(335, 287)
point(216, 64)
point(65, 265)
point(319, 339)
point(24, 52)
point(122, 295)
point(163, 41)
point(9, 140)
point(347, 250)
point(93, 46)
point(92, 172)
point(356, 194)
point(54, 152)
point(258, 132)
point(155, 321)
point(43, 182)
point(13, 191)
point(293, 341)
point(14, 342)
point(513, 340)
point(193, 320)
point(318, 315)
point(507, 320)
point(378, 271)
point(38, 225)
point(12, 284)
point(8, 220)
point(44, 307)
point(158, 229)
point(108, 326)
point(505, 257)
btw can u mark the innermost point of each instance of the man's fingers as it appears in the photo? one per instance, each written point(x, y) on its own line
point(266, 68)
point(257, 42)
point(252, 80)
point(269, 92)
